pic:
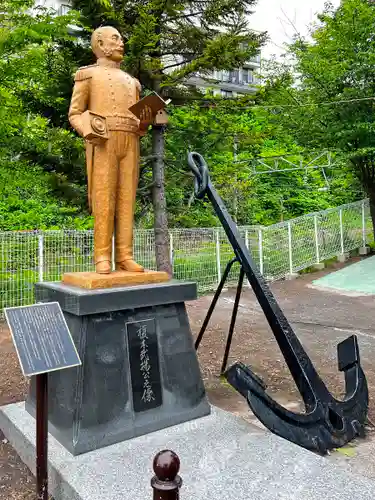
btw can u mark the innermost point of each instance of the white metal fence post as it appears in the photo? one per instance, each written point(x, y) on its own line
point(171, 249)
point(363, 225)
point(247, 244)
point(341, 233)
point(316, 239)
point(218, 261)
point(290, 248)
point(260, 245)
point(40, 257)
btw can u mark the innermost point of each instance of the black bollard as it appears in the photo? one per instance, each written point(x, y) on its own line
point(166, 483)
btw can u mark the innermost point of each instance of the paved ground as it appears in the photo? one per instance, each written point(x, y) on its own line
point(358, 278)
point(321, 319)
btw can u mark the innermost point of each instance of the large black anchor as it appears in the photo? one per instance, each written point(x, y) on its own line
point(327, 423)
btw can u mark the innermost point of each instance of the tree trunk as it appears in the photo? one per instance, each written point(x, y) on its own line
point(365, 169)
point(162, 252)
point(372, 211)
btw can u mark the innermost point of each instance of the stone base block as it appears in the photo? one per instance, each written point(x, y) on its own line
point(364, 250)
point(291, 276)
point(342, 257)
point(92, 281)
point(222, 457)
point(139, 372)
point(319, 266)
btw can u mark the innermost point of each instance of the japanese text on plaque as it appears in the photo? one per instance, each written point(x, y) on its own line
point(148, 394)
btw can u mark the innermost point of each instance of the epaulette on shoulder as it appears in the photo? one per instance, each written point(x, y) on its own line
point(138, 84)
point(84, 72)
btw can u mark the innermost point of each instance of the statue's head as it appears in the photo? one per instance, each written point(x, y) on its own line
point(107, 42)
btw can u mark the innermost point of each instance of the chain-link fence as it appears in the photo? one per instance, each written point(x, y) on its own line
point(197, 254)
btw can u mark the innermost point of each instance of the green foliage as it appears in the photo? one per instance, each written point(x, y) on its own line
point(336, 66)
point(36, 81)
point(27, 203)
point(231, 138)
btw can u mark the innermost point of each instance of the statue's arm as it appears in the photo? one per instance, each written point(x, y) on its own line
point(79, 103)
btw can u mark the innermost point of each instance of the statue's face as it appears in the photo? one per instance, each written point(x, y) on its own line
point(112, 44)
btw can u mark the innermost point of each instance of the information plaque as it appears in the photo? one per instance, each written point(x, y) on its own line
point(42, 339)
point(144, 365)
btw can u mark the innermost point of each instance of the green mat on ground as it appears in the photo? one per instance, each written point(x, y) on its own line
point(358, 277)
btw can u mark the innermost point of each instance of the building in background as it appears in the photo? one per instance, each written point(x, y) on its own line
point(61, 6)
point(233, 83)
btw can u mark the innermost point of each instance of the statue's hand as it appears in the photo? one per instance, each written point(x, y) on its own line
point(146, 117)
point(96, 141)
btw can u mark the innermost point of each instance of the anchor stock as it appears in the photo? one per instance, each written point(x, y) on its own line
point(328, 423)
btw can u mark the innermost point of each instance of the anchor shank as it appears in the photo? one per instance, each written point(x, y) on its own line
point(298, 362)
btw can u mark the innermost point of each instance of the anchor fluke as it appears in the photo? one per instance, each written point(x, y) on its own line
point(330, 425)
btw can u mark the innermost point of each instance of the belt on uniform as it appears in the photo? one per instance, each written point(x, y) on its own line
point(122, 123)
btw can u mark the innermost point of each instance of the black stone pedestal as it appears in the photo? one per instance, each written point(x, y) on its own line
point(139, 370)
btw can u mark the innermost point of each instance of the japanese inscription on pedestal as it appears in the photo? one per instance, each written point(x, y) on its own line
point(144, 365)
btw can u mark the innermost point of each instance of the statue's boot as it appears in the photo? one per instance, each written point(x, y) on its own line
point(103, 267)
point(129, 265)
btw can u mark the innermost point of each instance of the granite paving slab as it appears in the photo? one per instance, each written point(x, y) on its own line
point(222, 457)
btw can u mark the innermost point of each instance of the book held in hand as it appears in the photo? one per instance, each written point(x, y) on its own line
point(153, 101)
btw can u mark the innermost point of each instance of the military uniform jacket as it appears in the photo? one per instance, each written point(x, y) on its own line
point(108, 91)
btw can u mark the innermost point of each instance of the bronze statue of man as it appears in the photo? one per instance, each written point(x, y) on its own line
point(102, 96)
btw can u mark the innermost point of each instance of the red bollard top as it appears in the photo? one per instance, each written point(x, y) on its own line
point(166, 483)
point(166, 465)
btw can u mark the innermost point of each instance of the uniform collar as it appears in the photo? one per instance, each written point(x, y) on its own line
point(103, 61)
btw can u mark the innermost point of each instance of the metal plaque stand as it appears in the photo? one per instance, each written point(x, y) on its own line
point(44, 344)
point(42, 436)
